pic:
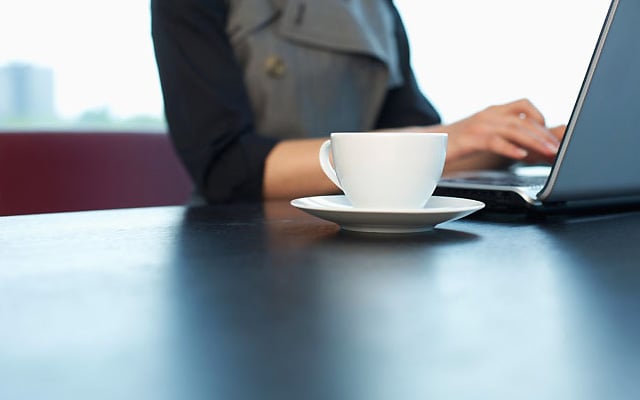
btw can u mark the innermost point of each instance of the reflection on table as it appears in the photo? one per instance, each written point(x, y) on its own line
point(264, 301)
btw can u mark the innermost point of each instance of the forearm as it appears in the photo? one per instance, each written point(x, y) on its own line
point(292, 170)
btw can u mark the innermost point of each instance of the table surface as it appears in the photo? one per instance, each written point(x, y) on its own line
point(261, 301)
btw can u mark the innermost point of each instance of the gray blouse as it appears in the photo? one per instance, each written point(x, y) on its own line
point(314, 66)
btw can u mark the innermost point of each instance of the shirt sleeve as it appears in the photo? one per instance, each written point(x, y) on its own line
point(406, 105)
point(206, 103)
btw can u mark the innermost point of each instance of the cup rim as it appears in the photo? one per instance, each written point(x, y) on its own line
point(389, 133)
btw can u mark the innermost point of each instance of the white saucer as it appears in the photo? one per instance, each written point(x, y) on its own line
point(338, 209)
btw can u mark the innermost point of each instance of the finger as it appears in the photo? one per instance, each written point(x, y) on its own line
point(558, 131)
point(524, 107)
point(530, 136)
point(506, 148)
point(542, 133)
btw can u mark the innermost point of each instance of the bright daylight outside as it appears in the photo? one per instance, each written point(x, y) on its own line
point(79, 64)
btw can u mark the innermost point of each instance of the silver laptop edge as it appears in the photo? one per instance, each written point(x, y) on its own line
point(545, 193)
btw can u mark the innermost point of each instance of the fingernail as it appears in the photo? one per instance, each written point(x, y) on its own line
point(553, 147)
point(522, 153)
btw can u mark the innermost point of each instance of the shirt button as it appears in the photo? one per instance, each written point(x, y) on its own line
point(275, 67)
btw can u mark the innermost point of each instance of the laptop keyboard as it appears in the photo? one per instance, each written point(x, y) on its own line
point(502, 179)
point(506, 180)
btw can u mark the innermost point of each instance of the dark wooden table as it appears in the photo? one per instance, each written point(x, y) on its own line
point(265, 302)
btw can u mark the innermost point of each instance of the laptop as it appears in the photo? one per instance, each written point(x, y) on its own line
point(598, 164)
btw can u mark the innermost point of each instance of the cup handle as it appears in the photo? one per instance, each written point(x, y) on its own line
point(328, 169)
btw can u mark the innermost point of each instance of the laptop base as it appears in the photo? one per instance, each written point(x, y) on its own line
point(509, 201)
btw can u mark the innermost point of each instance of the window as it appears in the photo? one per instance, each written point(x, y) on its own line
point(90, 64)
point(78, 64)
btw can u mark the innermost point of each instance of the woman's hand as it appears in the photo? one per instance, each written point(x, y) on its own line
point(514, 130)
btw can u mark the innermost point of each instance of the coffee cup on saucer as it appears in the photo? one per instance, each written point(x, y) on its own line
point(385, 170)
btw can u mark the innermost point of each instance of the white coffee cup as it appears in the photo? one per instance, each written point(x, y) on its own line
point(385, 170)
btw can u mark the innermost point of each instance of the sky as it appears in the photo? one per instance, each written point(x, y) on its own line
point(100, 51)
point(467, 54)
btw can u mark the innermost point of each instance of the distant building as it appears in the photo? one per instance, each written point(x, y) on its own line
point(26, 92)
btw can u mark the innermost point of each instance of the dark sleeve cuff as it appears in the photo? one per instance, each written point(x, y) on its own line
point(238, 174)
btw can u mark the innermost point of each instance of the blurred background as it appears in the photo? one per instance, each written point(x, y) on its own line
point(85, 64)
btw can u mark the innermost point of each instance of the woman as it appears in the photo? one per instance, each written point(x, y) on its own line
point(253, 87)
